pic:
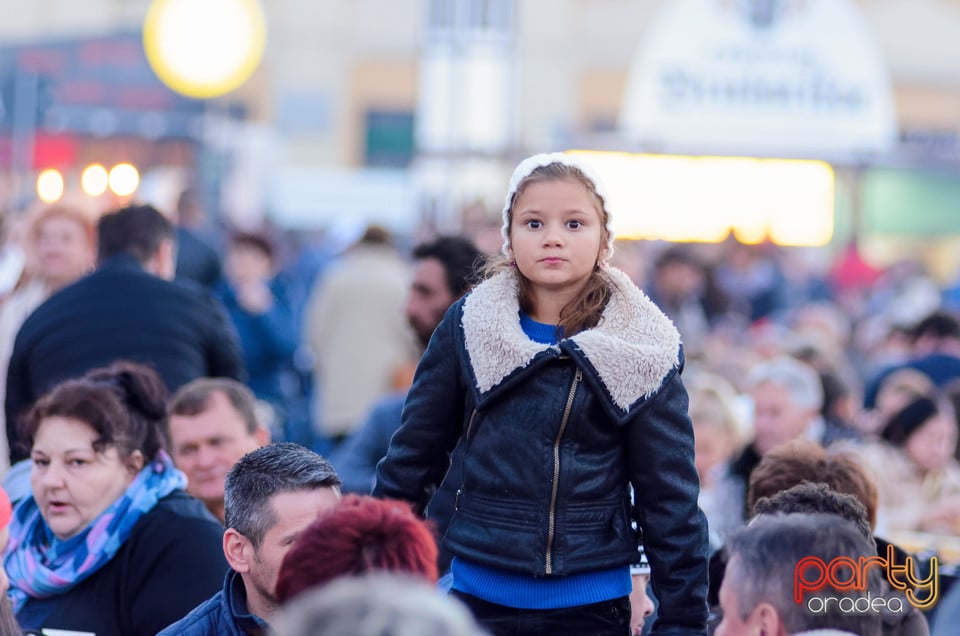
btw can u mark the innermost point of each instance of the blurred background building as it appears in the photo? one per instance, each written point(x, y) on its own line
point(412, 112)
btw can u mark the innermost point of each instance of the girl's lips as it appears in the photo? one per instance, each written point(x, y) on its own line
point(551, 259)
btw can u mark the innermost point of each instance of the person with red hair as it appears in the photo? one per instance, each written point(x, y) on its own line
point(359, 535)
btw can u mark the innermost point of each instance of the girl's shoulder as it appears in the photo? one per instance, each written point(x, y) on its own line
point(501, 286)
point(635, 349)
point(633, 319)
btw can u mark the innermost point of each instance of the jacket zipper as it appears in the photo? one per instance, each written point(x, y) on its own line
point(551, 524)
point(456, 499)
point(473, 416)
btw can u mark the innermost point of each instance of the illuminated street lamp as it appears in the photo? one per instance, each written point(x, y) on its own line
point(94, 180)
point(50, 185)
point(204, 48)
point(124, 179)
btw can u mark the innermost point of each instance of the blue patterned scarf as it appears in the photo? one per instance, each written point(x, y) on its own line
point(40, 565)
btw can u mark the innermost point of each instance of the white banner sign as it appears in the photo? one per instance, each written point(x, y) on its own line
point(767, 77)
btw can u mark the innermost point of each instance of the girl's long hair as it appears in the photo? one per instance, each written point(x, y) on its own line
point(584, 311)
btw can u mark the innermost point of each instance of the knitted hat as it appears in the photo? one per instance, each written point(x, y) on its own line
point(528, 165)
point(907, 420)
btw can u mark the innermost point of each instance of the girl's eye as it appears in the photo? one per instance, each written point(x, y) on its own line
point(77, 462)
point(41, 462)
point(574, 224)
point(534, 224)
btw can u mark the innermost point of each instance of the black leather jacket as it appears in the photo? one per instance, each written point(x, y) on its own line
point(550, 439)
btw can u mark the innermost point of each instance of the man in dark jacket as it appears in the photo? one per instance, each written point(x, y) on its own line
point(272, 495)
point(127, 309)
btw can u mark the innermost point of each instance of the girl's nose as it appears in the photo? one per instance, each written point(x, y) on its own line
point(552, 237)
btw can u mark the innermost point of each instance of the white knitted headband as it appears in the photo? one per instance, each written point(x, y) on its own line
point(527, 166)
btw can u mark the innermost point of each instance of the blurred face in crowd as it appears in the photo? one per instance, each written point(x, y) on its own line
point(293, 512)
point(73, 483)
point(64, 250)
point(932, 445)
point(777, 419)
point(246, 263)
point(733, 624)
point(713, 446)
point(206, 446)
point(679, 281)
point(429, 298)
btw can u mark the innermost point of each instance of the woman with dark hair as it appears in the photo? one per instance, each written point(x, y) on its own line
point(109, 542)
point(918, 477)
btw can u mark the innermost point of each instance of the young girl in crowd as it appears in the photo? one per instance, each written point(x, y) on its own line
point(558, 382)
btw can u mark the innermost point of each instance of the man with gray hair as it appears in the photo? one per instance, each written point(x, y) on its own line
point(271, 495)
point(787, 396)
point(772, 580)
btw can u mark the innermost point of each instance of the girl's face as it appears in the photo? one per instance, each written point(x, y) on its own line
point(72, 483)
point(556, 235)
point(931, 446)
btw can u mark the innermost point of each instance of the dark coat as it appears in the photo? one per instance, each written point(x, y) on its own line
point(551, 439)
point(172, 561)
point(119, 312)
point(196, 260)
point(225, 614)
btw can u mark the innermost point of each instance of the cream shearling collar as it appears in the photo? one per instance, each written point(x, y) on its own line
point(632, 349)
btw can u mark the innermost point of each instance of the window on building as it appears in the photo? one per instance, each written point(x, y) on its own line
point(470, 15)
point(389, 138)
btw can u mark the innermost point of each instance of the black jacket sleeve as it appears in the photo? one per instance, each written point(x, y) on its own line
point(666, 488)
point(431, 423)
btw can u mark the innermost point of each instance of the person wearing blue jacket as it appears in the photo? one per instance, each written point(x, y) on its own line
point(257, 305)
point(558, 383)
